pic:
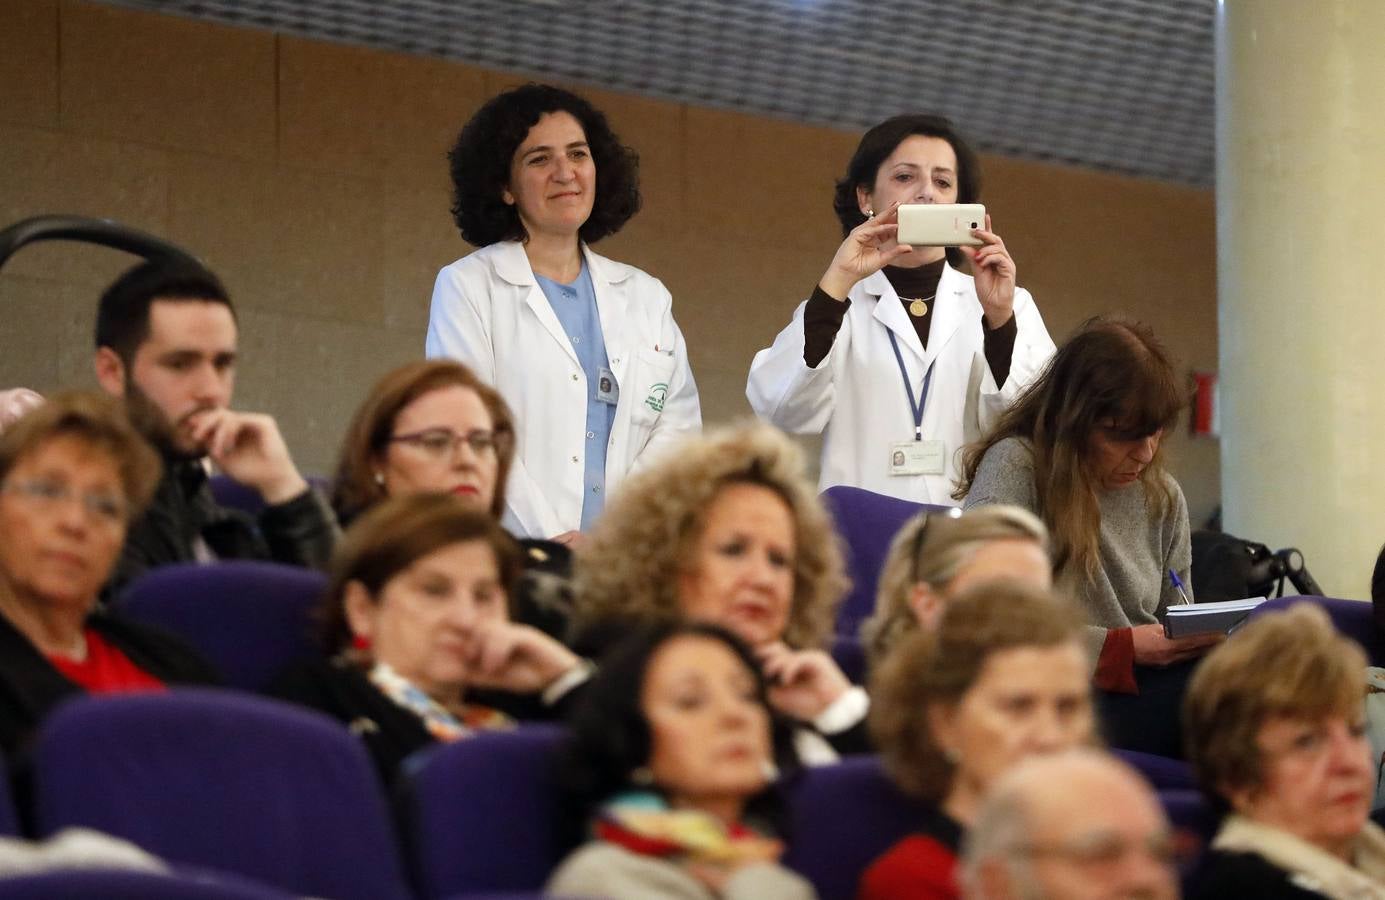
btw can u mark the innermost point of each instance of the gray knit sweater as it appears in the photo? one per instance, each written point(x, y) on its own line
point(1137, 547)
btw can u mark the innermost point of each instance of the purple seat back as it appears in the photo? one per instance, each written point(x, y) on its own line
point(867, 522)
point(9, 820)
point(1352, 618)
point(250, 620)
point(482, 814)
point(233, 495)
point(224, 781)
point(111, 884)
point(1161, 772)
point(841, 818)
point(850, 656)
point(1193, 818)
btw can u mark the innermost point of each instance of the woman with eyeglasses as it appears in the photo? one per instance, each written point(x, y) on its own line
point(936, 556)
point(73, 473)
point(1082, 451)
point(434, 427)
point(1276, 735)
point(417, 621)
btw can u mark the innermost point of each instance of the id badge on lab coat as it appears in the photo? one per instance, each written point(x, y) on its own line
point(607, 391)
point(917, 458)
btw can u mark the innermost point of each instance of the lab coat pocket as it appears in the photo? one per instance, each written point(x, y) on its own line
point(648, 386)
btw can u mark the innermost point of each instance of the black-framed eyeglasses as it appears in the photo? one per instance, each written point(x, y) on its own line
point(104, 507)
point(443, 443)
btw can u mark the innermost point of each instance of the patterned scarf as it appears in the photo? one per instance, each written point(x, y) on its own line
point(642, 822)
point(442, 723)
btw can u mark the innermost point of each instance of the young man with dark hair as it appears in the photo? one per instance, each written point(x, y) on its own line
point(166, 342)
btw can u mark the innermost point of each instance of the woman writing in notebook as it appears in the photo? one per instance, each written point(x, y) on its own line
point(1081, 450)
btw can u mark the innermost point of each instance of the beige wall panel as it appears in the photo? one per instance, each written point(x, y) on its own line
point(284, 239)
point(419, 239)
point(29, 62)
point(31, 313)
point(169, 81)
point(349, 109)
point(762, 180)
point(656, 131)
point(44, 171)
point(311, 375)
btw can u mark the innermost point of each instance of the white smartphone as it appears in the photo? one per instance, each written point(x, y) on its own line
point(940, 224)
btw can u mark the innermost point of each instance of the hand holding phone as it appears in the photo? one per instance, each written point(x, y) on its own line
point(940, 224)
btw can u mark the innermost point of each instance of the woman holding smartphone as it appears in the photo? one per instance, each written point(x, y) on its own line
point(897, 357)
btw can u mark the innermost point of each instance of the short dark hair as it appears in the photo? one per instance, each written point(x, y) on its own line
point(122, 316)
point(877, 145)
point(609, 736)
point(480, 165)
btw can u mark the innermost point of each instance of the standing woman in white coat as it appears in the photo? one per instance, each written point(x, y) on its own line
point(584, 349)
point(897, 357)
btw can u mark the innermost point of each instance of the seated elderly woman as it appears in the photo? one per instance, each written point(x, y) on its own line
point(728, 530)
point(670, 773)
point(1001, 678)
point(434, 427)
point(416, 613)
point(1275, 733)
point(1081, 450)
point(72, 474)
point(935, 556)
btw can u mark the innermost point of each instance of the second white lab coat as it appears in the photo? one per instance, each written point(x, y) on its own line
point(489, 312)
point(856, 397)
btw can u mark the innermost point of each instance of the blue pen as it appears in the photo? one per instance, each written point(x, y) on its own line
point(1178, 585)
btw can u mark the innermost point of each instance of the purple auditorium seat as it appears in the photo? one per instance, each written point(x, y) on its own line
point(850, 656)
point(234, 495)
point(841, 818)
point(249, 619)
point(111, 884)
point(1353, 618)
point(222, 781)
point(1193, 818)
point(1161, 772)
point(9, 821)
point(481, 814)
point(867, 521)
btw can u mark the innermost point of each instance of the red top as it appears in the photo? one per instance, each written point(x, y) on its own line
point(919, 867)
point(105, 670)
point(1115, 668)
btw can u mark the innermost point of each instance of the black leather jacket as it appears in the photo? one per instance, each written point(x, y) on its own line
point(302, 531)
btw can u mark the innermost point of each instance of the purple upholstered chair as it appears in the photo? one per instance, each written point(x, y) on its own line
point(867, 522)
point(232, 494)
point(482, 813)
point(1193, 818)
point(249, 619)
point(9, 821)
point(1161, 772)
point(111, 884)
point(841, 818)
point(1352, 618)
point(223, 781)
point(850, 656)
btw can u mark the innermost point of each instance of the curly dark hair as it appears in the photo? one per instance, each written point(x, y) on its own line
point(481, 157)
point(609, 735)
point(877, 145)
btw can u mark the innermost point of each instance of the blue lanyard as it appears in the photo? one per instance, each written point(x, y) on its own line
point(916, 407)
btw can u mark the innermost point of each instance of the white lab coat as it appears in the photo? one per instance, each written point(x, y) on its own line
point(857, 399)
point(490, 313)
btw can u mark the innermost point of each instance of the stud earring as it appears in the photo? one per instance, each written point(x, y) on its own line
point(380, 478)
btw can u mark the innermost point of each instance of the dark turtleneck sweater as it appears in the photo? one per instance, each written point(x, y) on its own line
point(822, 318)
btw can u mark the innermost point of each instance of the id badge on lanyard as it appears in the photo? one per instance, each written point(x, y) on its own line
point(916, 457)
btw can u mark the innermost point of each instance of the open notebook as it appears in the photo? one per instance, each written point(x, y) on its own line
point(1203, 618)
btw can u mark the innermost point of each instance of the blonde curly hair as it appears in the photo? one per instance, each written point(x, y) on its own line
point(630, 565)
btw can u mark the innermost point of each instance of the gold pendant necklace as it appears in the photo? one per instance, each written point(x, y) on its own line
point(918, 308)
